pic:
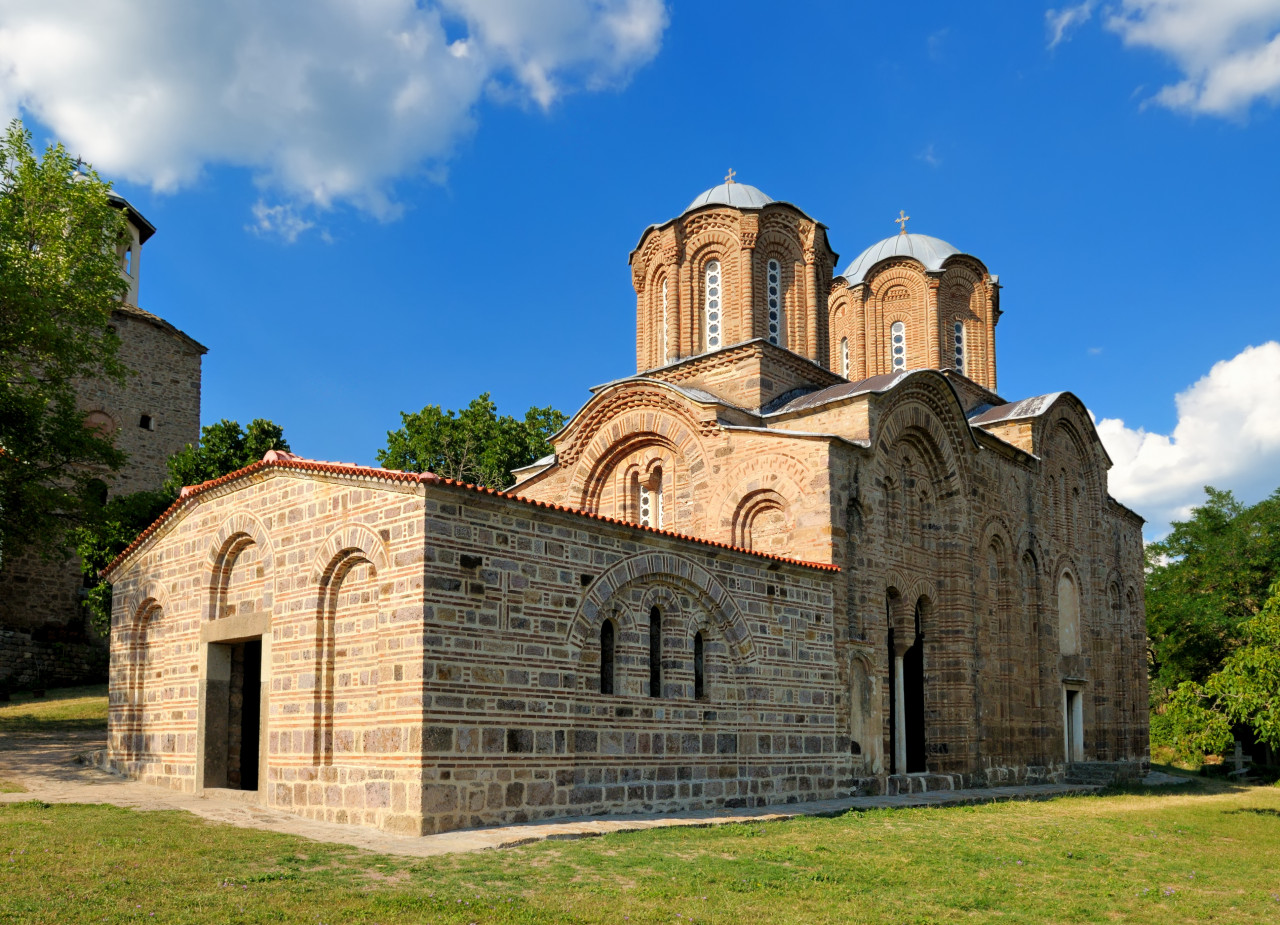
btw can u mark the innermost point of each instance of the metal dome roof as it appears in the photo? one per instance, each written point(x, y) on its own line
point(737, 195)
point(932, 252)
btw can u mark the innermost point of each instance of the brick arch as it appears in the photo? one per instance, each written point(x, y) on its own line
point(783, 244)
point(627, 433)
point(678, 573)
point(604, 415)
point(347, 541)
point(911, 589)
point(923, 406)
point(785, 475)
point(237, 533)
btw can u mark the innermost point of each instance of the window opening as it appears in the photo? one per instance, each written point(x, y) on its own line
point(655, 652)
point(128, 261)
point(145, 422)
point(664, 324)
point(844, 357)
point(699, 668)
point(606, 657)
point(959, 364)
point(898, 338)
point(646, 506)
point(713, 295)
point(775, 302)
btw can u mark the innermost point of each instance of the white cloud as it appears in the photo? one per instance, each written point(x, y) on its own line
point(1227, 50)
point(326, 101)
point(278, 221)
point(1061, 23)
point(1227, 436)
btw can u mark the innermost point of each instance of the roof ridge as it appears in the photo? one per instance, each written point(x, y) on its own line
point(277, 460)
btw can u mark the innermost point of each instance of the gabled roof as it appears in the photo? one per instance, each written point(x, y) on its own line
point(1016, 410)
point(278, 459)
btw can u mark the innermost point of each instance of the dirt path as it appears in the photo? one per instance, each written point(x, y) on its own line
point(47, 767)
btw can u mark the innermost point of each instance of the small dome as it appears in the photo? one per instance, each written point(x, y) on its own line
point(737, 195)
point(932, 252)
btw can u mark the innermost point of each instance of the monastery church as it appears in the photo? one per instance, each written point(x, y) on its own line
point(806, 551)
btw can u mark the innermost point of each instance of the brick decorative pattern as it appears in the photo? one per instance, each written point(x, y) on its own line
point(432, 653)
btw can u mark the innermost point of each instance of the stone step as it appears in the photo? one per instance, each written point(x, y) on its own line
point(920, 783)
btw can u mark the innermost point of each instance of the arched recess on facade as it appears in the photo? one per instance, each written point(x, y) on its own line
point(241, 545)
point(924, 467)
point(923, 407)
point(897, 292)
point(658, 424)
point(144, 648)
point(349, 648)
point(701, 247)
point(999, 645)
point(864, 714)
point(779, 241)
point(761, 501)
point(683, 576)
point(1069, 606)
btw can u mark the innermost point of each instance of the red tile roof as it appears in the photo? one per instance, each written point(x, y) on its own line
point(277, 459)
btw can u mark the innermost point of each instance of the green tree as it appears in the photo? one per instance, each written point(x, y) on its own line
point(472, 445)
point(1208, 577)
point(223, 448)
point(59, 281)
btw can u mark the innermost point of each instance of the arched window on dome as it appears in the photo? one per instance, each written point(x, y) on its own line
point(663, 358)
point(898, 345)
point(844, 357)
point(959, 352)
point(713, 292)
point(773, 291)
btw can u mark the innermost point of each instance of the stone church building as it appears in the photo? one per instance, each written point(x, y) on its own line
point(806, 550)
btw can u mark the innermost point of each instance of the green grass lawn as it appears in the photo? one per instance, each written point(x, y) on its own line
point(1202, 855)
point(70, 709)
point(1205, 852)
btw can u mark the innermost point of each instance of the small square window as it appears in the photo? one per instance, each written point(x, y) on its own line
point(146, 423)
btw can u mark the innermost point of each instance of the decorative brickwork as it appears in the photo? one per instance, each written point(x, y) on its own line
point(889, 584)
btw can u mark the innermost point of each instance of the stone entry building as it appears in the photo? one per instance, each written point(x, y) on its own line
point(806, 550)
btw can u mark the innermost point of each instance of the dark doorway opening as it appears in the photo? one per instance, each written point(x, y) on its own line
point(913, 705)
point(244, 715)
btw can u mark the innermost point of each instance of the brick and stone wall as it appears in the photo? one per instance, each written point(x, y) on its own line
point(432, 658)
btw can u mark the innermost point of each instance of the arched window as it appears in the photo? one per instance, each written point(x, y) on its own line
point(713, 292)
point(606, 657)
point(649, 500)
point(699, 668)
point(663, 358)
point(655, 652)
point(844, 357)
point(959, 355)
point(898, 340)
point(774, 291)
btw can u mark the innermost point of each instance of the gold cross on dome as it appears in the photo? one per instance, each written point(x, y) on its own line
point(729, 178)
point(902, 220)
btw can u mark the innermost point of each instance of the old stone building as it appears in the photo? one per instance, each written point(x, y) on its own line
point(45, 638)
point(806, 550)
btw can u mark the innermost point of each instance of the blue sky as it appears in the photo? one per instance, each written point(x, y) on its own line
point(364, 209)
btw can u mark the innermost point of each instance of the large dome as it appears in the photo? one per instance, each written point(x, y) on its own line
point(738, 195)
point(932, 252)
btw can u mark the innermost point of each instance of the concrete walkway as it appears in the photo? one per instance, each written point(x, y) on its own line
point(48, 769)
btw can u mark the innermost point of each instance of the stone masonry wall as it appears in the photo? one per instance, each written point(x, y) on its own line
point(434, 657)
point(36, 591)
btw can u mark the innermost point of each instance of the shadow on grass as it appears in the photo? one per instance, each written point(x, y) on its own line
point(62, 710)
